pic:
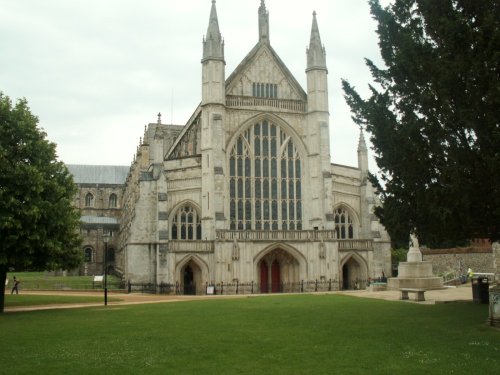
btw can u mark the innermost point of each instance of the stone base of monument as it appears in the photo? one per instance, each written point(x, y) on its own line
point(494, 318)
point(416, 275)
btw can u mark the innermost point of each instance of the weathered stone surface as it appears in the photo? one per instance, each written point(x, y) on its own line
point(316, 219)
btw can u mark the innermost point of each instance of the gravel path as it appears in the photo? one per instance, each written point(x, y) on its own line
point(461, 293)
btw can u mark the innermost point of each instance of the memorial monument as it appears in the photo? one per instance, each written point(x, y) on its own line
point(415, 273)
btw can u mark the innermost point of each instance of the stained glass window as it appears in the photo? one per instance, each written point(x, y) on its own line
point(265, 169)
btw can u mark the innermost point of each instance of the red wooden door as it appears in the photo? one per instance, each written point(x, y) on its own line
point(264, 277)
point(275, 277)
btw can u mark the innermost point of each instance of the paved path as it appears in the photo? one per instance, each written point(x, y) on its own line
point(461, 293)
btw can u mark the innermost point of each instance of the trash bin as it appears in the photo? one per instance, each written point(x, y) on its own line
point(480, 290)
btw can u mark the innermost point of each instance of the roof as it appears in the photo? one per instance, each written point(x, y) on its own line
point(99, 174)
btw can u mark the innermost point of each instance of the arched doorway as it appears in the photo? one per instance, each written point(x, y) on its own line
point(353, 274)
point(190, 278)
point(278, 272)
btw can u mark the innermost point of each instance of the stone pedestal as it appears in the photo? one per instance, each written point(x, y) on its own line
point(415, 273)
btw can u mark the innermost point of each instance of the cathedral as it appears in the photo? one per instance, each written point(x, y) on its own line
point(244, 196)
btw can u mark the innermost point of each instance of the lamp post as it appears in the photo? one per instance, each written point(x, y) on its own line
point(105, 238)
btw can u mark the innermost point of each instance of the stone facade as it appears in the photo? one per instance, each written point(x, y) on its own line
point(245, 191)
point(99, 197)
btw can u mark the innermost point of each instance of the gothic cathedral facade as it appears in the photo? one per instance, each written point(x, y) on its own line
point(245, 193)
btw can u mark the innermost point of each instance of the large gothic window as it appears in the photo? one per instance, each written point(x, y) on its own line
point(344, 228)
point(186, 224)
point(265, 180)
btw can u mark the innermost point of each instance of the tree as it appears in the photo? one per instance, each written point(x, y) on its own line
point(433, 118)
point(38, 224)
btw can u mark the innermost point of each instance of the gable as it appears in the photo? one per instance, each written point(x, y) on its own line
point(263, 66)
point(188, 144)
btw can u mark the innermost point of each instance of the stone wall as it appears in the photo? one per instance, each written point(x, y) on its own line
point(496, 256)
point(459, 260)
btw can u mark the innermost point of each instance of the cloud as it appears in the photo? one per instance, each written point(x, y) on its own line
point(95, 72)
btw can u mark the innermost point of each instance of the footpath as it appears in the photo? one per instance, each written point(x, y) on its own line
point(461, 293)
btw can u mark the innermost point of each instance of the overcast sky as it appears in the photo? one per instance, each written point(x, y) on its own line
point(96, 71)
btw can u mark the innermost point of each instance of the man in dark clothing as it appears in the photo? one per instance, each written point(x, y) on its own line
point(15, 287)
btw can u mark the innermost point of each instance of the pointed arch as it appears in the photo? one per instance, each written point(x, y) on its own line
point(279, 268)
point(185, 221)
point(301, 146)
point(292, 251)
point(346, 220)
point(195, 259)
point(185, 260)
point(353, 271)
point(266, 167)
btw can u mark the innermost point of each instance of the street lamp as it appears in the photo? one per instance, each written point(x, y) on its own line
point(105, 238)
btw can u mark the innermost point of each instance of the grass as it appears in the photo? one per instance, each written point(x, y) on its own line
point(300, 334)
point(37, 300)
point(43, 281)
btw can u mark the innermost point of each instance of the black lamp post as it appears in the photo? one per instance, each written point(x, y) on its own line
point(105, 238)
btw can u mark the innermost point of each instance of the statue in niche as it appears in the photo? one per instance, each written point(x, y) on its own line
point(322, 250)
point(236, 250)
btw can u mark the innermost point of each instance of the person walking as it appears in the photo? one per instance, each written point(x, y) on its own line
point(16, 286)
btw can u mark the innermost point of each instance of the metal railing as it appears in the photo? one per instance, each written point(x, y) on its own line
point(251, 287)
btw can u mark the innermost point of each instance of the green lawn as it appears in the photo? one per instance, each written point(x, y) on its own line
point(300, 334)
point(43, 281)
point(36, 300)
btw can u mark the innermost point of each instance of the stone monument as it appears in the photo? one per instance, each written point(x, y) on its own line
point(415, 273)
point(494, 292)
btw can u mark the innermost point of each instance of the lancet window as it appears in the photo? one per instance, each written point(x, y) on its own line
point(112, 201)
point(89, 200)
point(265, 180)
point(186, 224)
point(87, 254)
point(344, 228)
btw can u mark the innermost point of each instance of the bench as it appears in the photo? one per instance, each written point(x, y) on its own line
point(419, 293)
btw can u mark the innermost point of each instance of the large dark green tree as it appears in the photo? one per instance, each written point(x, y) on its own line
point(38, 224)
point(433, 116)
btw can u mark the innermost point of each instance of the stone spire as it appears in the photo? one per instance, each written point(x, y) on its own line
point(316, 55)
point(362, 153)
point(361, 143)
point(263, 23)
point(213, 45)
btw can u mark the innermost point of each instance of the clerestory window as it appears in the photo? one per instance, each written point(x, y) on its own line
point(113, 201)
point(265, 180)
point(186, 224)
point(89, 200)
